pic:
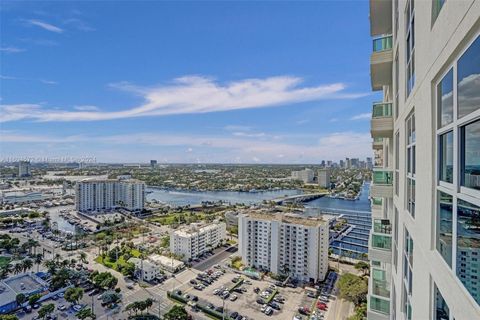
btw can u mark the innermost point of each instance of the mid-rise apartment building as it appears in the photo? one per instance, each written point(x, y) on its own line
point(285, 244)
point(192, 241)
point(24, 169)
point(424, 245)
point(305, 175)
point(102, 195)
point(324, 177)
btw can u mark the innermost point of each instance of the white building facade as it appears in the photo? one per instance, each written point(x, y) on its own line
point(306, 175)
point(192, 241)
point(324, 177)
point(24, 169)
point(424, 245)
point(285, 244)
point(101, 195)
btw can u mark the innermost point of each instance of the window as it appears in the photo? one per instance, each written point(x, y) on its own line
point(411, 154)
point(468, 244)
point(407, 274)
point(410, 46)
point(445, 99)
point(468, 82)
point(470, 141)
point(436, 7)
point(397, 83)
point(445, 226)
point(446, 157)
point(397, 162)
point(440, 310)
point(395, 239)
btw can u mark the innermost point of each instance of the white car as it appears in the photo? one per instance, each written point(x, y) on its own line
point(233, 297)
point(264, 307)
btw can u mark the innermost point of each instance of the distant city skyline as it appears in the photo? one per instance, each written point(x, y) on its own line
point(187, 83)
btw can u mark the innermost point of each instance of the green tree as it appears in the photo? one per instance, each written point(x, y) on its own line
point(8, 317)
point(73, 295)
point(46, 310)
point(27, 264)
point(176, 313)
point(363, 266)
point(104, 280)
point(34, 299)
point(20, 299)
point(38, 259)
point(85, 313)
point(353, 288)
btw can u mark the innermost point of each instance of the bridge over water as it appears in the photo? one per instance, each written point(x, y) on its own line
point(299, 198)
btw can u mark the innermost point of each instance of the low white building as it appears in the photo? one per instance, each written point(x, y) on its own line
point(306, 175)
point(285, 244)
point(165, 263)
point(145, 269)
point(195, 239)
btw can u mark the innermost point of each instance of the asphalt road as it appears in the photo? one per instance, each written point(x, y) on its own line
point(218, 257)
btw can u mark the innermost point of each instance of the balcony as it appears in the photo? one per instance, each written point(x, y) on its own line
point(382, 186)
point(378, 308)
point(377, 143)
point(381, 62)
point(382, 120)
point(377, 208)
point(380, 17)
point(380, 248)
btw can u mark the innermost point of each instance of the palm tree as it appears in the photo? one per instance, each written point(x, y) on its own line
point(73, 262)
point(83, 257)
point(38, 260)
point(51, 266)
point(27, 264)
point(17, 268)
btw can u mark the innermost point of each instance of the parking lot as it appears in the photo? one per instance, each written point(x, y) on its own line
point(246, 301)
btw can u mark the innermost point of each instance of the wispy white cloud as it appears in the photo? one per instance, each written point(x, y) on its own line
point(236, 149)
point(78, 24)
point(197, 94)
point(48, 81)
point(333, 120)
point(44, 81)
point(11, 49)
point(86, 108)
point(362, 116)
point(45, 25)
point(302, 121)
point(233, 127)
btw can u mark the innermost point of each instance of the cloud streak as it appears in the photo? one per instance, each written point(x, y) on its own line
point(197, 94)
point(333, 146)
point(45, 25)
point(11, 49)
point(362, 116)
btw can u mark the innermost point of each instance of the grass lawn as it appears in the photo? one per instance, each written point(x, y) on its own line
point(120, 262)
point(170, 219)
point(4, 261)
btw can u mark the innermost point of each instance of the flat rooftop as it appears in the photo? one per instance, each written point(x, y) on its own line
point(192, 229)
point(23, 283)
point(288, 218)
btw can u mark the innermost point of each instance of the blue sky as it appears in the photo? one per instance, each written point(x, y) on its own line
point(237, 82)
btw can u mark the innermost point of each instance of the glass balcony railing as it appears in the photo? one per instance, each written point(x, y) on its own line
point(382, 177)
point(377, 201)
point(382, 226)
point(380, 305)
point(380, 283)
point(382, 43)
point(382, 110)
point(381, 242)
point(378, 140)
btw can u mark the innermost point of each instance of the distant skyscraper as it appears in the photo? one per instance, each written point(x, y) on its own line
point(369, 163)
point(342, 164)
point(329, 163)
point(24, 169)
point(323, 163)
point(153, 164)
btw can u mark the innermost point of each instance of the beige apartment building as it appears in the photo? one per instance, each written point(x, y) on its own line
point(425, 241)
